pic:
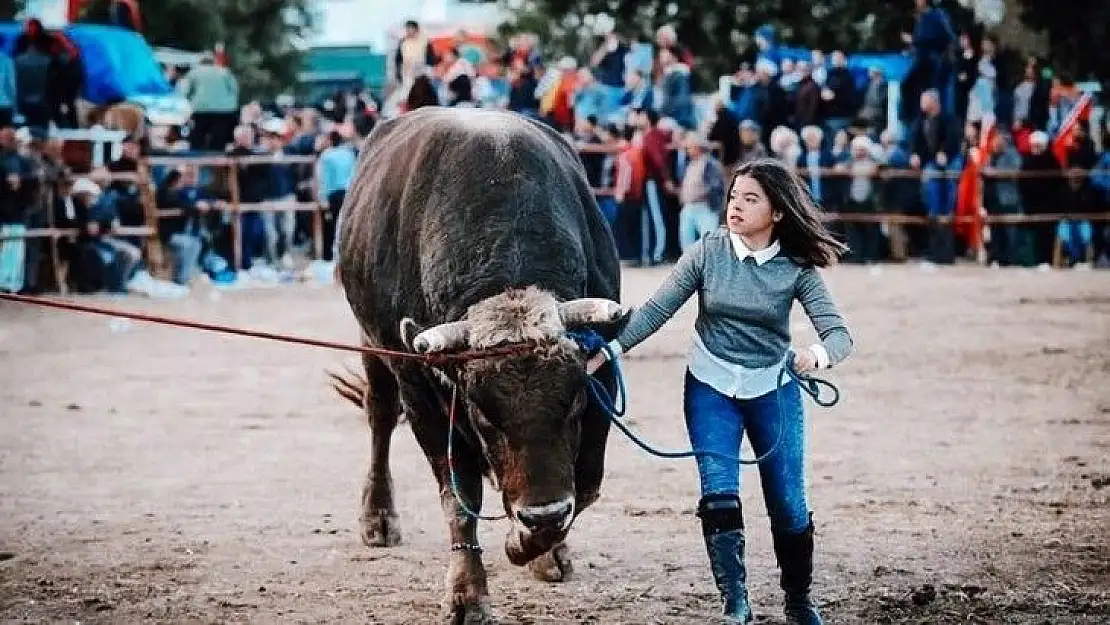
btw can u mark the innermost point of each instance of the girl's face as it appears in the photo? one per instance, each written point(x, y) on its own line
point(749, 211)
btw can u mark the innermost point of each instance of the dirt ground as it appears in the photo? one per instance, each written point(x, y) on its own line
point(152, 474)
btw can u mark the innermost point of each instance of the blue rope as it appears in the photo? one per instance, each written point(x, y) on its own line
point(591, 342)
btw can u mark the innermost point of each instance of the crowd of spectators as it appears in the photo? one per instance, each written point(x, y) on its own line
point(963, 113)
point(659, 165)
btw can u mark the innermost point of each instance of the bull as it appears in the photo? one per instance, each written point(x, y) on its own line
point(469, 229)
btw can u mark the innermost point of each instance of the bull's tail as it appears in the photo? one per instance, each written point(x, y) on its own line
point(350, 385)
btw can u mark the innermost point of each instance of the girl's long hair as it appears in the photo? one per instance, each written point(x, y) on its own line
point(801, 233)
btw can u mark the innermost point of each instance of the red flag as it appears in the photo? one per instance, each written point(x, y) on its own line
point(968, 190)
point(1062, 144)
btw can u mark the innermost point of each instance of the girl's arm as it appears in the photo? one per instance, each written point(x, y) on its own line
point(836, 341)
point(683, 281)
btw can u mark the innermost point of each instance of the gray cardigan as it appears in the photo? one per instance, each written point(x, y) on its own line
point(744, 305)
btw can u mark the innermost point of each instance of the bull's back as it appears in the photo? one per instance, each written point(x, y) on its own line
point(452, 205)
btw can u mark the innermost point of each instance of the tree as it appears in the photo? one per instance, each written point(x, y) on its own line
point(10, 8)
point(720, 32)
point(258, 35)
point(1076, 35)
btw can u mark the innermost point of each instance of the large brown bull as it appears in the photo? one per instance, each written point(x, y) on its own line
point(472, 229)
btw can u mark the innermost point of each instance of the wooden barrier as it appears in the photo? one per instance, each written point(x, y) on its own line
point(230, 164)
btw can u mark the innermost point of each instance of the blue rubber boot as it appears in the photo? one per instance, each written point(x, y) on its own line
point(794, 553)
point(723, 529)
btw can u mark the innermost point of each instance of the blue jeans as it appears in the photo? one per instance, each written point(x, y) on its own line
point(1075, 237)
point(652, 217)
point(186, 256)
point(938, 188)
point(695, 220)
point(716, 422)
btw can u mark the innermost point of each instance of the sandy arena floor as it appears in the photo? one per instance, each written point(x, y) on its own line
point(152, 474)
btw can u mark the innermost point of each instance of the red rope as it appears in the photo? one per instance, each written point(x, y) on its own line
point(269, 336)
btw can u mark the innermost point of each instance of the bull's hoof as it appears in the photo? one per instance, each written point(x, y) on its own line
point(380, 528)
point(475, 613)
point(553, 566)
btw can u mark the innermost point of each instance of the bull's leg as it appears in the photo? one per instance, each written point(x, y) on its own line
point(556, 564)
point(379, 523)
point(467, 598)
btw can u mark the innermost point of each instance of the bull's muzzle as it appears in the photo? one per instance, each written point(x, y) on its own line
point(556, 515)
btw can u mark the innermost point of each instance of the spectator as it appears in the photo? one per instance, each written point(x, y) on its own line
point(522, 89)
point(1041, 186)
point(814, 162)
point(36, 75)
point(675, 90)
point(213, 93)
point(7, 90)
point(628, 192)
point(607, 137)
point(751, 146)
point(768, 49)
point(984, 93)
point(931, 41)
point(335, 169)
point(107, 262)
point(182, 232)
point(966, 68)
point(1075, 239)
point(1001, 196)
point(655, 141)
point(15, 171)
point(807, 99)
point(252, 179)
point(934, 146)
point(638, 94)
point(609, 61)
point(414, 55)
point(864, 239)
point(873, 113)
point(839, 102)
point(934, 143)
point(726, 132)
point(702, 194)
point(420, 94)
point(459, 79)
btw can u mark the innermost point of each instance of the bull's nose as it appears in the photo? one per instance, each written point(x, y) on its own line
point(556, 514)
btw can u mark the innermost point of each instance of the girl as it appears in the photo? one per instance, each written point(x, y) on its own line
point(747, 276)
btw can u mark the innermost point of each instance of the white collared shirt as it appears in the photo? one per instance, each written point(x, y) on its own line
point(761, 256)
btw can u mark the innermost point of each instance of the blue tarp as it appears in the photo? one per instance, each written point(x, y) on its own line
point(894, 65)
point(118, 63)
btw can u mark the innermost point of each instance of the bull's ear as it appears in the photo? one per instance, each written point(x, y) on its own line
point(409, 330)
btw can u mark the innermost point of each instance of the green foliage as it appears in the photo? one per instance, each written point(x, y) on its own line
point(1076, 36)
point(10, 8)
point(258, 35)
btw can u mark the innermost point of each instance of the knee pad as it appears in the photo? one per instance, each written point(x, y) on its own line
point(720, 513)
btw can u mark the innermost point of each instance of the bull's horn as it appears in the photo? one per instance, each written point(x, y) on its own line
point(580, 312)
point(442, 338)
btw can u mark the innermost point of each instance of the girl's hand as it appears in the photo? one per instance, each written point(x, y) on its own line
point(595, 362)
point(805, 360)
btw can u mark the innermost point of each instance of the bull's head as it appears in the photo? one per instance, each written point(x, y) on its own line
point(525, 409)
